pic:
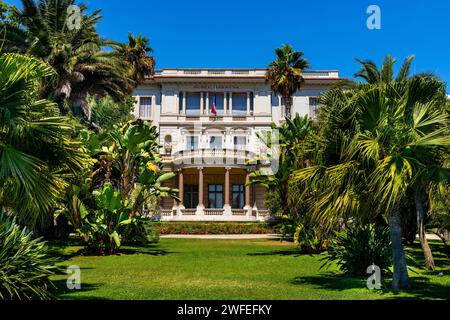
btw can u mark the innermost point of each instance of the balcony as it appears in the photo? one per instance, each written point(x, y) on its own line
point(212, 157)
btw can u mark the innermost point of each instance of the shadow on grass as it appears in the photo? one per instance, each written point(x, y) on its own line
point(62, 289)
point(153, 250)
point(422, 288)
point(441, 255)
point(296, 252)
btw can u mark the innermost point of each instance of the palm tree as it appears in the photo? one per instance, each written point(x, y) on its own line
point(135, 52)
point(372, 74)
point(387, 133)
point(285, 74)
point(36, 154)
point(76, 55)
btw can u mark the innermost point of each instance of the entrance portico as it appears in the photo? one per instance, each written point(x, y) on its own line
point(214, 193)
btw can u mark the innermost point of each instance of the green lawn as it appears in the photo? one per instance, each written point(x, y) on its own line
point(232, 269)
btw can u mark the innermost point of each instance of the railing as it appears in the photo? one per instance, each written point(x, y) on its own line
point(216, 71)
point(166, 212)
point(213, 212)
point(239, 212)
point(240, 72)
point(212, 156)
point(189, 212)
point(263, 213)
point(166, 157)
point(237, 72)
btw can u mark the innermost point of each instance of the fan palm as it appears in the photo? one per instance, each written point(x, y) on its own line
point(285, 74)
point(388, 132)
point(372, 74)
point(36, 154)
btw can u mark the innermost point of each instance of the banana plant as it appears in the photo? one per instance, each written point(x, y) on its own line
point(103, 227)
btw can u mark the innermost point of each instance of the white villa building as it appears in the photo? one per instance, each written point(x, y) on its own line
point(209, 153)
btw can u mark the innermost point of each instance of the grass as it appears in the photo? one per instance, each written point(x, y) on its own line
point(233, 269)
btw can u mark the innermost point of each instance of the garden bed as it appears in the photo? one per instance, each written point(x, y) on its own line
point(215, 228)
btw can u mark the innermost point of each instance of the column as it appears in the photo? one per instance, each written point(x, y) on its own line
point(248, 103)
point(175, 204)
point(247, 190)
point(255, 208)
point(224, 103)
point(181, 188)
point(201, 103)
point(226, 206)
point(184, 102)
point(230, 105)
point(207, 103)
point(200, 206)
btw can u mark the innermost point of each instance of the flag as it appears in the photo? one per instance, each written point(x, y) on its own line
point(213, 107)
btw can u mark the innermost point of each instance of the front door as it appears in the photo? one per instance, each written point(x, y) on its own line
point(215, 196)
point(190, 196)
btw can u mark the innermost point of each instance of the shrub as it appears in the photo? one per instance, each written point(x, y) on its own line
point(25, 263)
point(141, 231)
point(307, 237)
point(359, 247)
point(214, 228)
point(106, 228)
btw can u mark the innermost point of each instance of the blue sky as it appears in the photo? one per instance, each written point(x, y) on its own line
point(233, 33)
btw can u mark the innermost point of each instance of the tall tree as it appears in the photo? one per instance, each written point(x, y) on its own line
point(372, 74)
point(285, 74)
point(387, 132)
point(74, 52)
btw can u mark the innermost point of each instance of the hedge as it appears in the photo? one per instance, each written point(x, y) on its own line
point(215, 228)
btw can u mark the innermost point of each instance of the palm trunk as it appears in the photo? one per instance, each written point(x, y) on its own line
point(288, 106)
point(429, 260)
point(444, 234)
point(400, 279)
point(80, 102)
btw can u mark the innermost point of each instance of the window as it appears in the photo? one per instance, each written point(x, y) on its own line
point(215, 196)
point(180, 102)
point(238, 196)
point(313, 103)
point(191, 143)
point(190, 200)
point(252, 108)
point(240, 104)
point(240, 143)
point(275, 100)
point(145, 104)
point(192, 103)
point(215, 143)
point(219, 102)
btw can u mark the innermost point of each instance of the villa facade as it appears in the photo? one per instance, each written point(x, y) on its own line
point(209, 148)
